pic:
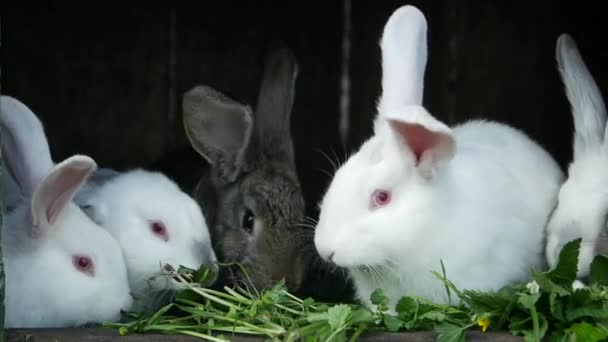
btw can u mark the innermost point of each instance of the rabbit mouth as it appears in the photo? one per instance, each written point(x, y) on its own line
point(247, 275)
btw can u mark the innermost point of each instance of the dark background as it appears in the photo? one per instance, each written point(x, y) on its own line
point(107, 79)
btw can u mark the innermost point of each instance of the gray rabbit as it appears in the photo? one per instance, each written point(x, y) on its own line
point(251, 193)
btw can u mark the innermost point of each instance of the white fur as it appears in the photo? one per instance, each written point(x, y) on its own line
point(43, 288)
point(19, 120)
point(583, 198)
point(478, 200)
point(125, 206)
point(404, 37)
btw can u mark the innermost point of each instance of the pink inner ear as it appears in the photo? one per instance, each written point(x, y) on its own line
point(58, 190)
point(58, 204)
point(417, 137)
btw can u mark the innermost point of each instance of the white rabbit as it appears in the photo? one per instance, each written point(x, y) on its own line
point(477, 196)
point(61, 268)
point(582, 202)
point(10, 192)
point(154, 221)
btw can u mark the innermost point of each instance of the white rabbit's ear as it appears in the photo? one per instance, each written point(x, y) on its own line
point(58, 189)
point(404, 56)
point(24, 145)
point(422, 137)
point(87, 196)
point(587, 106)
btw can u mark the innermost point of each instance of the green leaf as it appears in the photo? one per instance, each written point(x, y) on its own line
point(362, 315)
point(338, 315)
point(188, 295)
point(406, 306)
point(447, 332)
point(392, 323)
point(588, 332)
point(546, 284)
point(380, 299)
point(253, 309)
point(595, 310)
point(565, 271)
point(340, 337)
point(528, 300)
point(520, 324)
point(308, 302)
point(556, 307)
point(425, 307)
point(560, 336)
point(599, 270)
point(275, 294)
point(481, 302)
point(232, 313)
point(437, 316)
point(581, 304)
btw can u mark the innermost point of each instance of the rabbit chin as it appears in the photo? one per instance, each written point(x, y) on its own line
point(348, 256)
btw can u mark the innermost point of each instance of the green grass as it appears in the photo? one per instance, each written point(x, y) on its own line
point(547, 307)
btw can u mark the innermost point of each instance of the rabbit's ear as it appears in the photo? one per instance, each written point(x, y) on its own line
point(218, 128)
point(275, 102)
point(57, 190)
point(587, 106)
point(87, 196)
point(425, 139)
point(404, 57)
point(24, 145)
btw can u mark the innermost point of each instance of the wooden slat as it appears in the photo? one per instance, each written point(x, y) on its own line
point(96, 78)
point(99, 335)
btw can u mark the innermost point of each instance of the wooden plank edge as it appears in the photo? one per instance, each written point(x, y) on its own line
point(101, 334)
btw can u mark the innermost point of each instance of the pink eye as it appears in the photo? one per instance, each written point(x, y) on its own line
point(158, 228)
point(84, 264)
point(380, 198)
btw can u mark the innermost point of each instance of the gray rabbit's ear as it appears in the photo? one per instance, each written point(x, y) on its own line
point(275, 102)
point(218, 128)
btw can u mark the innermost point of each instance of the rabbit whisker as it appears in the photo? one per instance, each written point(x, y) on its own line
point(311, 220)
point(331, 161)
point(305, 225)
point(338, 163)
point(327, 173)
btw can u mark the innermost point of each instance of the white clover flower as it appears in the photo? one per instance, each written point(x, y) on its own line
point(578, 285)
point(533, 287)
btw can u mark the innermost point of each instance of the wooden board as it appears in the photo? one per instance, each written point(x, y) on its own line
point(100, 335)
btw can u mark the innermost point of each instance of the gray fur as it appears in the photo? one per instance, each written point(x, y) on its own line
point(95, 181)
point(252, 168)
